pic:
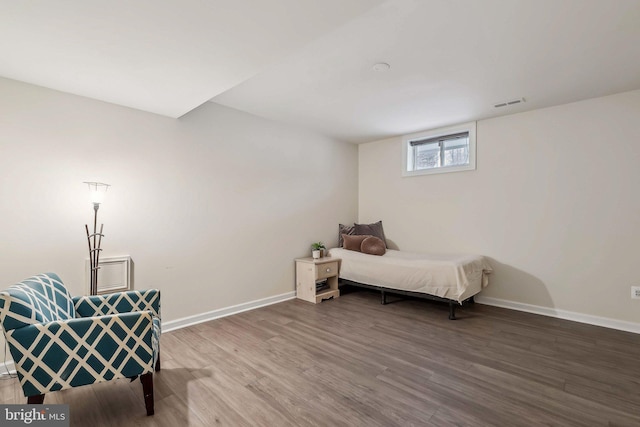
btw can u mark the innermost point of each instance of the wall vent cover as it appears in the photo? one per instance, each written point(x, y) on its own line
point(507, 103)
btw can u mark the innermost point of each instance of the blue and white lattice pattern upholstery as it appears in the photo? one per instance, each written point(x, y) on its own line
point(123, 302)
point(38, 299)
point(119, 302)
point(64, 350)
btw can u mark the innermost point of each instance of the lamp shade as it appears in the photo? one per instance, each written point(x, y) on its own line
point(97, 191)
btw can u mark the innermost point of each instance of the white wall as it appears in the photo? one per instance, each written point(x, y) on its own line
point(554, 203)
point(213, 207)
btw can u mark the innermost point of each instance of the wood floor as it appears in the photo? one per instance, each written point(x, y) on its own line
point(354, 362)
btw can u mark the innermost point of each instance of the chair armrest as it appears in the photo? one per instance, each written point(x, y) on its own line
point(119, 302)
point(62, 354)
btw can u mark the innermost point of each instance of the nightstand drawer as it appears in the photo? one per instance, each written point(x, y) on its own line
point(326, 269)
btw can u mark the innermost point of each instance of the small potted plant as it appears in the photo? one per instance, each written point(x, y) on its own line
point(317, 250)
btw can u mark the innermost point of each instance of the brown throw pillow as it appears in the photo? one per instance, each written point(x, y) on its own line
point(344, 229)
point(374, 229)
point(372, 246)
point(353, 243)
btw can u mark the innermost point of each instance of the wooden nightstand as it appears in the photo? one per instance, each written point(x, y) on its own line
point(309, 271)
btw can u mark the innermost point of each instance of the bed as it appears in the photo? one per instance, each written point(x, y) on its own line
point(449, 278)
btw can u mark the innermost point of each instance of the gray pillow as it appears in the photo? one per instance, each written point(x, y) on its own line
point(344, 229)
point(374, 229)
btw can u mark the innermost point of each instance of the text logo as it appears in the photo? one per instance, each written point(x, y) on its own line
point(34, 415)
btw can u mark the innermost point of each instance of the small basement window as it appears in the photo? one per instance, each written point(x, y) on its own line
point(450, 149)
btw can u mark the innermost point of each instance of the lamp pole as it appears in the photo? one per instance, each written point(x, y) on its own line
point(97, 189)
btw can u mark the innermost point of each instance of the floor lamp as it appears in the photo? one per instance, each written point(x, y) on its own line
point(97, 191)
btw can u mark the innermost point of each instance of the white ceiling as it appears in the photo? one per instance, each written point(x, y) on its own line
point(166, 57)
point(309, 62)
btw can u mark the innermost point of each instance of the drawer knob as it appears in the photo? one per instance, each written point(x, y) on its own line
point(328, 270)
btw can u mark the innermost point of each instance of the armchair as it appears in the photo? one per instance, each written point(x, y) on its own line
point(58, 342)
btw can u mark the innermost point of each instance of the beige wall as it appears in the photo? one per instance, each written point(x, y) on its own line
point(554, 204)
point(213, 207)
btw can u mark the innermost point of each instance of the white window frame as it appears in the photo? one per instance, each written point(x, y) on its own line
point(435, 133)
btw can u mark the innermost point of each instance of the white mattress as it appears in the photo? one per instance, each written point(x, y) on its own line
point(455, 277)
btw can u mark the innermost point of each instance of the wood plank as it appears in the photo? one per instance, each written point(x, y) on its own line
point(355, 362)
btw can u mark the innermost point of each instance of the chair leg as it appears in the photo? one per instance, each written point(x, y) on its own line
point(158, 362)
point(35, 400)
point(147, 390)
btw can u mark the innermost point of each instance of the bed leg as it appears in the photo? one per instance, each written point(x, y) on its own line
point(384, 297)
point(452, 311)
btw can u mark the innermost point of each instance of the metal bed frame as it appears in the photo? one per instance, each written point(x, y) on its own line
point(452, 303)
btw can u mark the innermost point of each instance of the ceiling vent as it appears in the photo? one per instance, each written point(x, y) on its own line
point(512, 102)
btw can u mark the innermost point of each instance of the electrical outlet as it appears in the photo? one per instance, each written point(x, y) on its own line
point(635, 292)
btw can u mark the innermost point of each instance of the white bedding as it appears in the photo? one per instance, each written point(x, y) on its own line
point(455, 277)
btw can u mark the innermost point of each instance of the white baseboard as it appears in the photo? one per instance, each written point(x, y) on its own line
point(7, 366)
point(223, 312)
point(561, 314)
point(200, 318)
